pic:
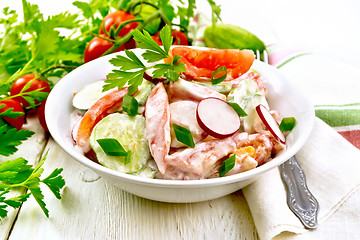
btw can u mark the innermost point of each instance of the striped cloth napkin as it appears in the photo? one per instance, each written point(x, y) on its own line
point(330, 158)
point(344, 118)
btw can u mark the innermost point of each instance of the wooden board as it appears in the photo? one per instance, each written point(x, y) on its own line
point(91, 208)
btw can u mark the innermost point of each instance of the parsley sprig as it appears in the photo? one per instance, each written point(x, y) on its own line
point(170, 69)
point(17, 173)
point(10, 138)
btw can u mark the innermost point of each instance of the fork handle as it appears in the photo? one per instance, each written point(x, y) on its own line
point(299, 198)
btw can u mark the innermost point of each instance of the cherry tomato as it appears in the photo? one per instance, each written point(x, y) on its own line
point(12, 103)
point(201, 64)
point(20, 83)
point(156, 38)
point(114, 19)
point(97, 47)
point(41, 116)
point(180, 38)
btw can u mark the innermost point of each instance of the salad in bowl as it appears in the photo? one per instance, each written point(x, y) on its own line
point(183, 129)
point(207, 116)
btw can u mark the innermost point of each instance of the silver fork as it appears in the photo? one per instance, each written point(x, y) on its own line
point(299, 198)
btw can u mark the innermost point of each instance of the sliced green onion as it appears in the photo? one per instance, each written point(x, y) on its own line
point(130, 105)
point(227, 165)
point(112, 147)
point(215, 81)
point(183, 135)
point(287, 124)
point(238, 109)
point(128, 158)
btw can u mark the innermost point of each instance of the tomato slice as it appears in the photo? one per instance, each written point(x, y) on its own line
point(200, 64)
point(101, 108)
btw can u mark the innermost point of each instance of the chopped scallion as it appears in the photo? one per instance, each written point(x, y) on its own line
point(287, 124)
point(227, 165)
point(128, 158)
point(218, 80)
point(238, 109)
point(112, 147)
point(183, 135)
point(130, 105)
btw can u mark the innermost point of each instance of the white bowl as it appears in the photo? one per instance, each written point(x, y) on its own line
point(282, 96)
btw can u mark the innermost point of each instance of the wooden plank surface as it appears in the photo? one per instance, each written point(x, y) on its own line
point(91, 208)
point(31, 150)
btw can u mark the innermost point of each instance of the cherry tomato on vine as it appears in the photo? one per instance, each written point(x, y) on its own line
point(17, 122)
point(180, 38)
point(114, 19)
point(97, 47)
point(41, 116)
point(156, 38)
point(20, 83)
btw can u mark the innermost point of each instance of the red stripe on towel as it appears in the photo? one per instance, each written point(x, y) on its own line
point(352, 136)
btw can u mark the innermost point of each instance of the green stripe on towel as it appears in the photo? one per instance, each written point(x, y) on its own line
point(339, 115)
point(291, 58)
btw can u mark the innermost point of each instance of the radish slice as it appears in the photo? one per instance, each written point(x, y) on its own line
point(270, 122)
point(217, 117)
point(75, 129)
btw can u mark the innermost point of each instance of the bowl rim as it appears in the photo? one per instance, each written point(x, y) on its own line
point(277, 161)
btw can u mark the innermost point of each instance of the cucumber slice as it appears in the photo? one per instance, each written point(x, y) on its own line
point(244, 89)
point(92, 92)
point(143, 92)
point(130, 132)
point(147, 172)
point(223, 87)
point(88, 95)
point(252, 122)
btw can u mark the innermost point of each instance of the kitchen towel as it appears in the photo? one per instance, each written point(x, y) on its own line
point(330, 158)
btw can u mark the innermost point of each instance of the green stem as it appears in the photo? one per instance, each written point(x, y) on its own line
point(165, 19)
point(57, 67)
point(21, 72)
point(131, 7)
point(128, 36)
point(83, 34)
point(123, 24)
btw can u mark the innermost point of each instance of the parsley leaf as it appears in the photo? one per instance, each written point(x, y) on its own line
point(10, 138)
point(132, 69)
point(9, 112)
point(17, 173)
point(153, 52)
point(55, 182)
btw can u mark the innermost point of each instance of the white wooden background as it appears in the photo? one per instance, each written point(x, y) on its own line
point(91, 208)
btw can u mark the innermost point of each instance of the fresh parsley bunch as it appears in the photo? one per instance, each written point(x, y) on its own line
point(17, 173)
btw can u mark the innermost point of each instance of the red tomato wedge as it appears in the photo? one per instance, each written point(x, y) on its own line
point(104, 106)
point(200, 64)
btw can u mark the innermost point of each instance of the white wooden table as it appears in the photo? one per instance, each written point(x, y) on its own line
point(91, 208)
